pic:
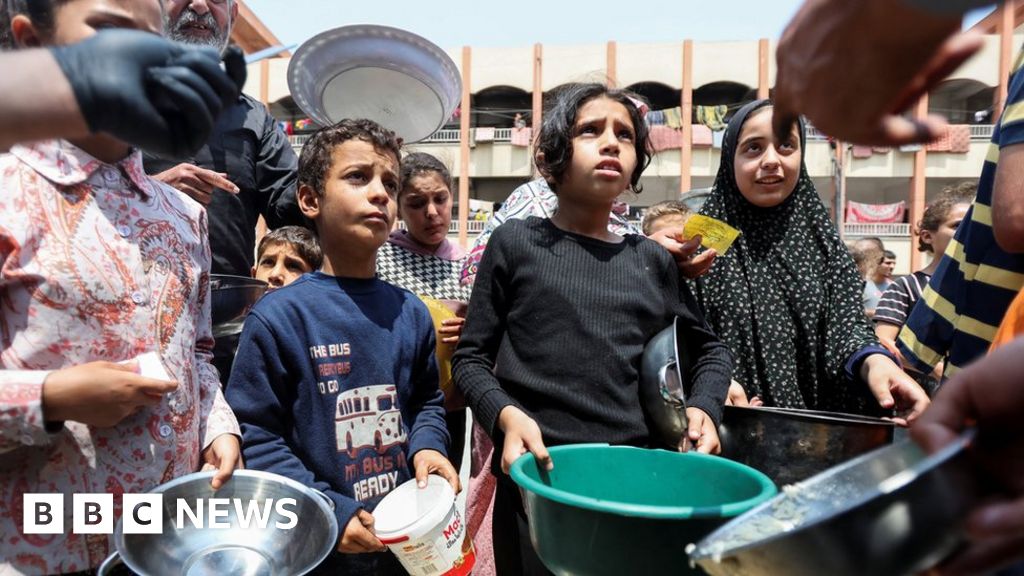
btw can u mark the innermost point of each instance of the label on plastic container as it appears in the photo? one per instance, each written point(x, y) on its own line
point(447, 551)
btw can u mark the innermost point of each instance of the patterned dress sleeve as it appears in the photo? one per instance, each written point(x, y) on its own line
point(215, 416)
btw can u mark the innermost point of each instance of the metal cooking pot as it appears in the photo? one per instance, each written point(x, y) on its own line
point(237, 550)
point(393, 77)
point(790, 445)
point(895, 511)
point(662, 392)
point(231, 297)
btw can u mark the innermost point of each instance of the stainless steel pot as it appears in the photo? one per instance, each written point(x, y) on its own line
point(790, 445)
point(231, 297)
point(398, 79)
point(253, 550)
point(662, 391)
point(894, 511)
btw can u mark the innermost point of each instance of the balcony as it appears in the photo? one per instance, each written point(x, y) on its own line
point(891, 230)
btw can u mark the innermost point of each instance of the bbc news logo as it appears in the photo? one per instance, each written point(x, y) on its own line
point(144, 513)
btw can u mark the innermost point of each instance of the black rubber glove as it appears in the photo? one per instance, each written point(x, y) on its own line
point(159, 95)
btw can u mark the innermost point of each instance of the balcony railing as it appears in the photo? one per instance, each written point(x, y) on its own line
point(860, 229)
point(979, 132)
point(472, 227)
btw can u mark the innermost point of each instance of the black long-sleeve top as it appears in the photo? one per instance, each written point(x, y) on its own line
point(557, 324)
point(251, 148)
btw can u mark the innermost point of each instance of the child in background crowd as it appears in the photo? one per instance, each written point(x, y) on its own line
point(321, 363)
point(562, 309)
point(670, 214)
point(285, 254)
point(934, 231)
point(99, 264)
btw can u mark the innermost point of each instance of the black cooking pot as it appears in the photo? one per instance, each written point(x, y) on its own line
point(790, 445)
point(231, 297)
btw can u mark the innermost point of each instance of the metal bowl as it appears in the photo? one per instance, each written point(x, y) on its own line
point(790, 445)
point(394, 77)
point(252, 550)
point(231, 297)
point(893, 511)
point(661, 387)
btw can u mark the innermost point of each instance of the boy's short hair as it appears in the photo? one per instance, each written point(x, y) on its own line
point(315, 160)
point(302, 240)
point(666, 208)
point(889, 254)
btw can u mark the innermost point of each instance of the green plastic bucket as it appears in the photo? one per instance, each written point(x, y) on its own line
point(624, 510)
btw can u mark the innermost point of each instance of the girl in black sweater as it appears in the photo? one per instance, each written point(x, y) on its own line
point(562, 308)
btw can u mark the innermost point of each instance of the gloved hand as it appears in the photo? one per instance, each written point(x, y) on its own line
point(159, 95)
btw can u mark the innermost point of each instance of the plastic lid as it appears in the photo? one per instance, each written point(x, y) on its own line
point(410, 510)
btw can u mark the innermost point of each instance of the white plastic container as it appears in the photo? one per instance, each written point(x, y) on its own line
point(423, 528)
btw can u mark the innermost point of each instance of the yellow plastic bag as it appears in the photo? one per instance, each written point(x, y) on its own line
point(439, 312)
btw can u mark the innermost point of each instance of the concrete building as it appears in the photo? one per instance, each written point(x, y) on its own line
point(500, 82)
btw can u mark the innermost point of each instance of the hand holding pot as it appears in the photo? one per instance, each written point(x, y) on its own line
point(522, 435)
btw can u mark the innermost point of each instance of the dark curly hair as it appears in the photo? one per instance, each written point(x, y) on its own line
point(554, 143)
point(418, 163)
point(302, 240)
point(41, 12)
point(937, 212)
point(315, 160)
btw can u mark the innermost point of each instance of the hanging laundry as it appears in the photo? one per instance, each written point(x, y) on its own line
point(712, 116)
point(861, 151)
point(910, 147)
point(881, 149)
point(674, 117)
point(665, 138)
point(959, 139)
point(940, 144)
point(485, 134)
point(717, 137)
point(701, 137)
point(521, 137)
point(655, 118)
point(858, 212)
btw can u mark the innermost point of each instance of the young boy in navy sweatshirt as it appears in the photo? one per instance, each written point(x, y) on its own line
point(335, 384)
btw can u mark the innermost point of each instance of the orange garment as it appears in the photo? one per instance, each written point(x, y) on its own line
point(1012, 324)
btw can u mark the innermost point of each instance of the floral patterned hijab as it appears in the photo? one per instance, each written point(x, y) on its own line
point(786, 297)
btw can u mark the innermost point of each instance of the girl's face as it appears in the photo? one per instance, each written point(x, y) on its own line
point(426, 206)
point(603, 152)
point(766, 169)
point(940, 238)
point(77, 20)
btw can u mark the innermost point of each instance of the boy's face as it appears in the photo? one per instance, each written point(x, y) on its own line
point(280, 265)
point(672, 222)
point(355, 212)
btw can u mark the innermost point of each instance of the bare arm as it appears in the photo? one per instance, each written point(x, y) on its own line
point(1008, 199)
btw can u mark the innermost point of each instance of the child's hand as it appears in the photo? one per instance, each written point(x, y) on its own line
point(522, 435)
point(100, 394)
point(427, 462)
point(224, 455)
point(701, 433)
point(893, 389)
point(358, 537)
point(450, 330)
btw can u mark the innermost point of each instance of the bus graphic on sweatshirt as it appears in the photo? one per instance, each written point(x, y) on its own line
point(368, 417)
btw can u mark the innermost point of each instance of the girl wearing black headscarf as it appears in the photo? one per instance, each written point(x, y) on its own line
point(786, 298)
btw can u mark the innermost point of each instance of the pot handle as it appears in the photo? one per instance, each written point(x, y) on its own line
point(326, 498)
point(112, 561)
